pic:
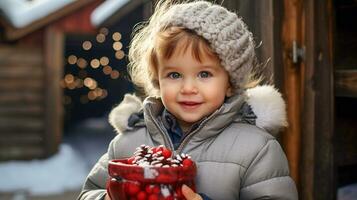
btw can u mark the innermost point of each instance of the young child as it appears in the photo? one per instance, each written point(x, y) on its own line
point(195, 61)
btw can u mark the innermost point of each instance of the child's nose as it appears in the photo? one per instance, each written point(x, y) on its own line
point(189, 87)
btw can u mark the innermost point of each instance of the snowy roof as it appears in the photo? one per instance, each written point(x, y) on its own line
point(105, 10)
point(113, 9)
point(21, 13)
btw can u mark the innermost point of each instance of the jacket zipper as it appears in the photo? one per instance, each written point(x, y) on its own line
point(189, 136)
point(163, 133)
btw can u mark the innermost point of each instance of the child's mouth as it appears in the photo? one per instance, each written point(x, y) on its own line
point(189, 104)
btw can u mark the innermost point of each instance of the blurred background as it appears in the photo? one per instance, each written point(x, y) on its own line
point(63, 68)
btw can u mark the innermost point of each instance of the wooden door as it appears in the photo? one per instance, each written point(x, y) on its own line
point(317, 171)
point(30, 100)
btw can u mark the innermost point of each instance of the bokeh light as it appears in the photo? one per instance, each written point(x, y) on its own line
point(104, 61)
point(94, 63)
point(90, 83)
point(82, 63)
point(69, 78)
point(107, 70)
point(100, 38)
point(119, 55)
point(117, 46)
point(87, 45)
point(72, 59)
point(116, 36)
point(115, 74)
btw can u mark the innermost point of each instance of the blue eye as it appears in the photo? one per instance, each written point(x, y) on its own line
point(174, 75)
point(204, 74)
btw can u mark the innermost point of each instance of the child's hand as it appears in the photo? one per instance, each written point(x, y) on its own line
point(190, 194)
point(107, 197)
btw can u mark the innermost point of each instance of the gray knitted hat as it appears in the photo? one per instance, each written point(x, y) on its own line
point(224, 30)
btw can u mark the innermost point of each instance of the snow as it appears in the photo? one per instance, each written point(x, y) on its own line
point(82, 146)
point(61, 172)
point(105, 10)
point(348, 192)
point(21, 13)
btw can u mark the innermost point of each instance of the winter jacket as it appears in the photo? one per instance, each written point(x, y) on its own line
point(236, 156)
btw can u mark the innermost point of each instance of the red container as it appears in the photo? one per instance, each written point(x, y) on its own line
point(129, 182)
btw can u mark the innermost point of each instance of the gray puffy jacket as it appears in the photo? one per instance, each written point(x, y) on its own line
point(235, 159)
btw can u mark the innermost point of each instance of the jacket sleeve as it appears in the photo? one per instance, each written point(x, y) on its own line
point(267, 176)
point(94, 187)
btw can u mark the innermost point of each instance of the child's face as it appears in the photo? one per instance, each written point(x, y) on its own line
point(190, 89)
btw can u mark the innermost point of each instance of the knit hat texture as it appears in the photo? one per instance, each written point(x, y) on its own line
point(227, 34)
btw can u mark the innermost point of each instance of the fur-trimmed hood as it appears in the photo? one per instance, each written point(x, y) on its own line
point(265, 101)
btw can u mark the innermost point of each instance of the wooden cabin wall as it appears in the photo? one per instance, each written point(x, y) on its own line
point(317, 160)
point(31, 98)
point(21, 101)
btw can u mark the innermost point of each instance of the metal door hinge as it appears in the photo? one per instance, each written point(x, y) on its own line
point(298, 53)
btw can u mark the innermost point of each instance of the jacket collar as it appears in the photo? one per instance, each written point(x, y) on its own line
point(209, 126)
point(265, 101)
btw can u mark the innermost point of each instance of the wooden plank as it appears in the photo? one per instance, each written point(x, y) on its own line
point(19, 54)
point(317, 167)
point(16, 97)
point(21, 71)
point(292, 90)
point(32, 124)
point(346, 83)
point(20, 132)
point(26, 84)
point(54, 48)
point(21, 110)
point(307, 169)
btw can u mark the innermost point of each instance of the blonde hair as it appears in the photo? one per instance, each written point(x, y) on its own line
point(154, 40)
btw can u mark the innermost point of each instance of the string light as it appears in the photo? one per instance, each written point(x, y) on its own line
point(119, 55)
point(82, 63)
point(69, 78)
point(117, 46)
point(72, 82)
point(98, 92)
point(116, 36)
point(104, 61)
point(95, 63)
point(72, 59)
point(115, 74)
point(107, 70)
point(100, 38)
point(90, 83)
point(91, 95)
point(87, 45)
